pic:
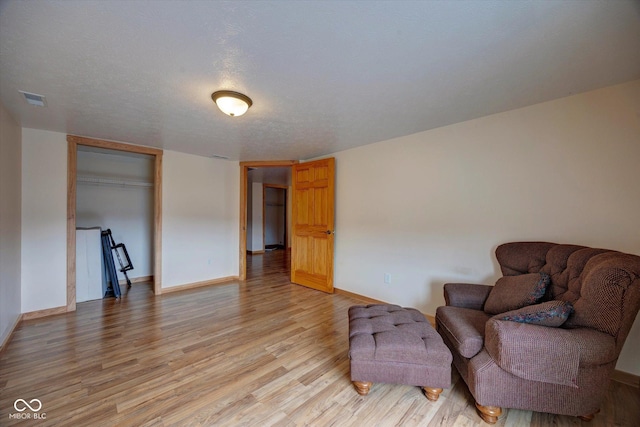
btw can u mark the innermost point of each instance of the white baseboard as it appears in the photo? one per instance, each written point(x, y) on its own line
point(44, 313)
point(219, 281)
point(12, 329)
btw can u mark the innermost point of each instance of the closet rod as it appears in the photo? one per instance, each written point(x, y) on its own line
point(113, 182)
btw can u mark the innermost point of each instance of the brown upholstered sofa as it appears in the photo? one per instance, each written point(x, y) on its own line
point(568, 312)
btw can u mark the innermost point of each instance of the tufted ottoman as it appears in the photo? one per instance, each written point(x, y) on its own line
point(391, 344)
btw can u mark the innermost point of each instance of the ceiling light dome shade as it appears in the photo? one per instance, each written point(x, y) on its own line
point(231, 103)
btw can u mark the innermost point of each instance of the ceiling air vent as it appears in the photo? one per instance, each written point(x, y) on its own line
point(34, 99)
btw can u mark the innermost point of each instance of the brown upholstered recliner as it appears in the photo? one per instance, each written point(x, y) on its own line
point(519, 363)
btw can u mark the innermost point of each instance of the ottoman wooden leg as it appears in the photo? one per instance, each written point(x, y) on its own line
point(432, 393)
point(362, 387)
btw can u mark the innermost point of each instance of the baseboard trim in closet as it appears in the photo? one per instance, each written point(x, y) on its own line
point(141, 279)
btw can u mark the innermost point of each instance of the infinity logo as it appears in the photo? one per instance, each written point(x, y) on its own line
point(26, 405)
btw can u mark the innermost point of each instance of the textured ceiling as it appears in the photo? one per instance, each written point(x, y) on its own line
point(324, 76)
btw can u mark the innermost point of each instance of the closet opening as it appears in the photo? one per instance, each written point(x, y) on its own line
point(117, 187)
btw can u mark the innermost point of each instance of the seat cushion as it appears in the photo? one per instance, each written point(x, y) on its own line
point(463, 327)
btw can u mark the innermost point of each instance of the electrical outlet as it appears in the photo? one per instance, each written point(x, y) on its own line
point(387, 278)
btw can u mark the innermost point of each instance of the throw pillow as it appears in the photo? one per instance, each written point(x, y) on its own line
point(514, 292)
point(550, 313)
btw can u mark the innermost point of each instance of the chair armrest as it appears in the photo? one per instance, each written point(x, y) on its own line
point(546, 354)
point(466, 295)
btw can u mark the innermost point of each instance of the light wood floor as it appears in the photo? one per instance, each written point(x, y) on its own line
point(263, 352)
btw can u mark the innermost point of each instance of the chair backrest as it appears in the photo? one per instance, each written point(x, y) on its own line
point(602, 285)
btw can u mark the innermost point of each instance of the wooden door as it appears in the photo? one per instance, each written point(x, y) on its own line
point(313, 224)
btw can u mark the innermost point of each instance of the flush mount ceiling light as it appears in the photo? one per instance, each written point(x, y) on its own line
point(231, 103)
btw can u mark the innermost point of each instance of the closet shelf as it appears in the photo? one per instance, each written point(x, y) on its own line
point(110, 182)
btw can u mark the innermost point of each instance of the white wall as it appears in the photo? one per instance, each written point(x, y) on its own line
point(44, 220)
point(431, 208)
point(10, 221)
point(257, 235)
point(126, 210)
point(200, 203)
point(249, 217)
point(289, 215)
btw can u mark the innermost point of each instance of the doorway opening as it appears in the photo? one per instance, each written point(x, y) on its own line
point(275, 218)
point(255, 180)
